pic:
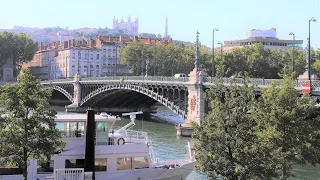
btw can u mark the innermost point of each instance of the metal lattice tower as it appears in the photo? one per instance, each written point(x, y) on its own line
point(166, 28)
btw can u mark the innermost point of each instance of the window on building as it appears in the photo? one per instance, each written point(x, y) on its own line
point(97, 56)
point(85, 56)
point(97, 66)
point(73, 55)
point(91, 66)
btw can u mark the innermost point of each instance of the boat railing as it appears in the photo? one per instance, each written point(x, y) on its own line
point(129, 137)
point(136, 134)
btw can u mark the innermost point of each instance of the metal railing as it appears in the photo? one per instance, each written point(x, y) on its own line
point(164, 79)
point(139, 78)
point(69, 174)
point(262, 82)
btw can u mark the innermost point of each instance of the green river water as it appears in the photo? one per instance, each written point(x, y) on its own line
point(166, 145)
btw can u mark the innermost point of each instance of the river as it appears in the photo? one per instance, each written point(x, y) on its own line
point(166, 145)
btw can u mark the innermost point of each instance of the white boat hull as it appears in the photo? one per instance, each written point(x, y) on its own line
point(179, 173)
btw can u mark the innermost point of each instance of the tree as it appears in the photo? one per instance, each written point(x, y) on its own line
point(28, 130)
point(289, 127)
point(225, 143)
point(159, 36)
point(18, 48)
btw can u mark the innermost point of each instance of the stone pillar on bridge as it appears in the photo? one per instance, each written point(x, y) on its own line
point(196, 102)
point(77, 92)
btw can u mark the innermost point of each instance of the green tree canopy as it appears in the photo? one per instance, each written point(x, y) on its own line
point(28, 130)
point(18, 48)
point(225, 143)
point(247, 138)
point(288, 127)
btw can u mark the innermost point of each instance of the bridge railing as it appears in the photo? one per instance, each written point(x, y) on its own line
point(139, 78)
point(262, 82)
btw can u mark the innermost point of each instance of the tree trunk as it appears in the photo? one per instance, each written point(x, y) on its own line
point(25, 164)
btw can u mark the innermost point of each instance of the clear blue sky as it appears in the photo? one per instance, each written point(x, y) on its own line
point(233, 17)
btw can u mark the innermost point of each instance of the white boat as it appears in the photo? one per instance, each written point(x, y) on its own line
point(120, 154)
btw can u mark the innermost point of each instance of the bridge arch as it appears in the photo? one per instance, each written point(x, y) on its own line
point(159, 98)
point(63, 91)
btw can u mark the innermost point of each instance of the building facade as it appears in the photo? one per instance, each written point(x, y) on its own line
point(268, 38)
point(91, 58)
point(130, 27)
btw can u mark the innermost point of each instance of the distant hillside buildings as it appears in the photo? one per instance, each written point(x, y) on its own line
point(268, 38)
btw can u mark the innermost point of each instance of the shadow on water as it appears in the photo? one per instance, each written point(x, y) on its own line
point(166, 145)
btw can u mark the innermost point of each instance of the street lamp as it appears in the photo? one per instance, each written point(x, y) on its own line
point(79, 56)
point(294, 44)
point(213, 65)
point(117, 46)
point(221, 50)
point(309, 55)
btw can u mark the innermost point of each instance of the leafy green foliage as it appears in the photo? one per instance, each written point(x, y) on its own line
point(226, 144)
point(288, 126)
point(248, 138)
point(28, 130)
point(255, 59)
point(163, 60)
point(18, 48)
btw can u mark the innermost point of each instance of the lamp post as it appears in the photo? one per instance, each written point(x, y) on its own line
point(79, 56)
point(213, 65)
point(197, 55)
point(117, 46)
point(293, 49)
point(309, 49)
point(221, 49)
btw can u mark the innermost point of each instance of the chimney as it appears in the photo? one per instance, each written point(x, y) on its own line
point(90, 143)
point(69, 43)
point(109, 38)
point(120, 38)
point(41, 46)
point(73, 42)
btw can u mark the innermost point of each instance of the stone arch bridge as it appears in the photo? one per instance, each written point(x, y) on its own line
point(184, 96)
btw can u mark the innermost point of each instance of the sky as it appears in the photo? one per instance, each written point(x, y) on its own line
point(233, 18)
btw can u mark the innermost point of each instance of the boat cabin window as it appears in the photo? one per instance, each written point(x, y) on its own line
point(99, 164)
point(71, 129)
point(45, 166)
point(128, 163)
point(8, 169)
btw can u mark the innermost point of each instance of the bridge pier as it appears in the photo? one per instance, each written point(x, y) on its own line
point(196, 103)
point(76, 94)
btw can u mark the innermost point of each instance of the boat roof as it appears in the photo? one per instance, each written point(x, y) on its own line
point(83, 117)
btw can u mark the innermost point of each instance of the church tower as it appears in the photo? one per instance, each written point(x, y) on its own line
point(166, 35)
point(115, 23)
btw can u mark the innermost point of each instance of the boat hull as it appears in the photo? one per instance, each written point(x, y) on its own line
point(179, 173)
